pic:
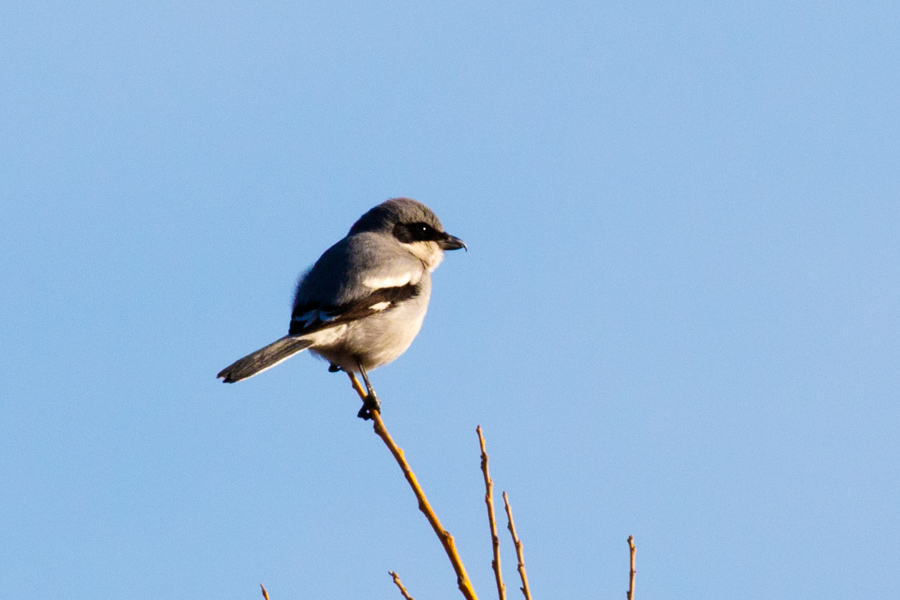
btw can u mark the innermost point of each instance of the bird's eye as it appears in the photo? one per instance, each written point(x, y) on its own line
point(423, 232)
point(415, 232)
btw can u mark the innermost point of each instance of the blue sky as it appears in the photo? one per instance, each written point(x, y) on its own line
point(678, 317)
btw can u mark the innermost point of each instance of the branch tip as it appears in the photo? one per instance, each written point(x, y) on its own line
point(399, 585)
point(518, 544)
point(492, 522)
point(631, 550)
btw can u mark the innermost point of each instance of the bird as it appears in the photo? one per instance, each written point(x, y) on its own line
point(362, 303)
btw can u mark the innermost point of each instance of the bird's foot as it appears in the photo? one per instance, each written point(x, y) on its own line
point(371, 403)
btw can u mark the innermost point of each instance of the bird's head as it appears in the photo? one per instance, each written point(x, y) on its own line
point(413, 225)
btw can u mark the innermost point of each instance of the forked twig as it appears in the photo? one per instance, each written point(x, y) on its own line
point(489, 500)
point(264, 592)
point(400, 585)
point(462, 579)
point(518, 544)
point(630, 594)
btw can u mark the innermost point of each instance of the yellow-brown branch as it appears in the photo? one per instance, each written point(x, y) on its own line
point(264, 592)
point(518, 544)
point(462, 579)
point(632, 551)
point(403, 591)
point(489, 500)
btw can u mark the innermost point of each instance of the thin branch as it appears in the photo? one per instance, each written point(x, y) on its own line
point(489, 500)
point(630, 594)
point(462, 579)
point(400, 585)
point(264, 592)
point(518, 544)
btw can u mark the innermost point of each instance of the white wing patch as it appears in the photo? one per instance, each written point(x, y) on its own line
point(380, 305)
point(391, 281)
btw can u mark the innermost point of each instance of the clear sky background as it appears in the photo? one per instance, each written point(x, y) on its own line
point(679, 316)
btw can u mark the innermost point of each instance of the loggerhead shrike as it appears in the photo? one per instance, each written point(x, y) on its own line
point(362, 304)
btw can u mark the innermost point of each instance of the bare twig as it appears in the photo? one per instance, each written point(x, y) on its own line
point(630, 594)
point(400, 585)
point(489, 500)
point(462, 579)
point(264, 592)
point(518, 544)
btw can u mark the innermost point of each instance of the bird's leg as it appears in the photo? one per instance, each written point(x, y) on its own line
point(371, 402)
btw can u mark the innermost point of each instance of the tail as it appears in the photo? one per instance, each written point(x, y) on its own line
point(264, 358)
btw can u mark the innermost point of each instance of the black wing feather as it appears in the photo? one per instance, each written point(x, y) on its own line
point(331, 315)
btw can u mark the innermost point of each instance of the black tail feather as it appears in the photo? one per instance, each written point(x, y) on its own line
point(263, 359)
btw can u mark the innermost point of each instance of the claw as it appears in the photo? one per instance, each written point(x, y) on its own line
point(372, 403)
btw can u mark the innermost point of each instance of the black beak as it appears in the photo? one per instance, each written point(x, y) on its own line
point(451, 242)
